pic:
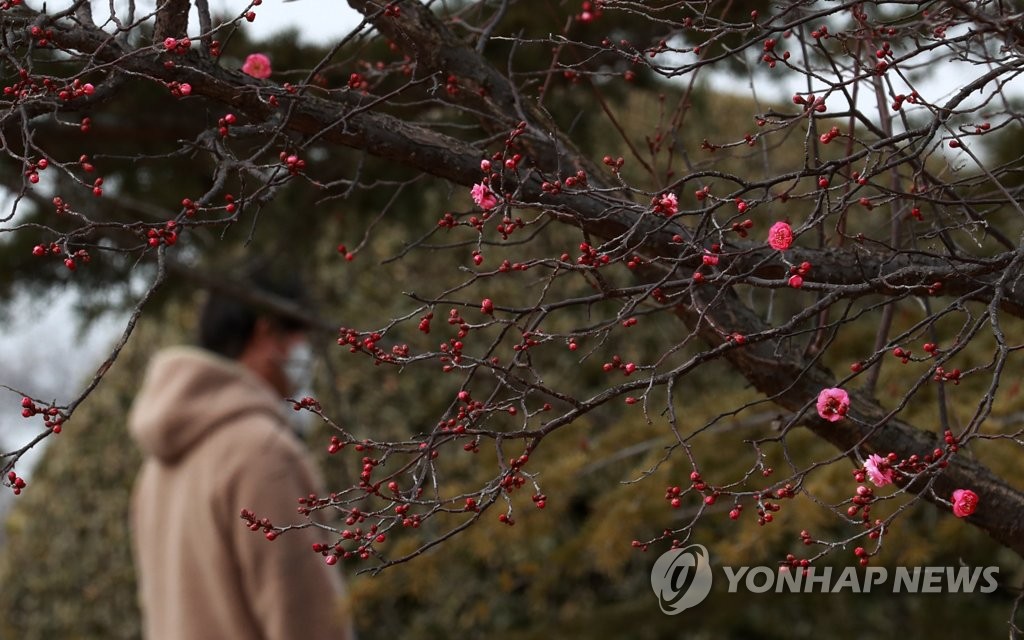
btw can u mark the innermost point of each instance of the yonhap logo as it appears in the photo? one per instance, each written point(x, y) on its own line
point(681, 578)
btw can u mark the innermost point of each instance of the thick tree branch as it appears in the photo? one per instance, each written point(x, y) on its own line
point(793, 381)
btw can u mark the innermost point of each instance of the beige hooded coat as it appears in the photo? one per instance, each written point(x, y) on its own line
point(215, 440)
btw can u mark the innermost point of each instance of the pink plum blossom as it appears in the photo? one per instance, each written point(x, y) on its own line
point(832, 404)
point(484, 197)
point(780, 236)
point(965, 502)
point(667, 204)
point(257, 65)
point(878, 470)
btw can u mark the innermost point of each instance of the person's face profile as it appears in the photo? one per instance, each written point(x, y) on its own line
point(286, 357)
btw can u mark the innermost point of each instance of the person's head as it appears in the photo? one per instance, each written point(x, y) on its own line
point(272, 344)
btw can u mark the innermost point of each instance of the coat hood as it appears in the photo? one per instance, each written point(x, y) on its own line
point(187, 393)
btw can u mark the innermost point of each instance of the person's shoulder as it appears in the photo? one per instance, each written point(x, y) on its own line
point(255, 462)
point(261, 452)
point(256, 438)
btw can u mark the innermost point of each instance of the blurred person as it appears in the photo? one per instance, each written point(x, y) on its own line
point(213, 428)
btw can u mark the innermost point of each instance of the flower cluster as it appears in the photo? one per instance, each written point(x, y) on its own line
point(879, 471)
point(780, 236)
point(833, 404)
point(484, 197)
point(257, 65)
point(965, 502)
point(667, 204)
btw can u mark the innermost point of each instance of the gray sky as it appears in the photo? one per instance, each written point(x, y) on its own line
point(317, 21)
point(44, 355)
